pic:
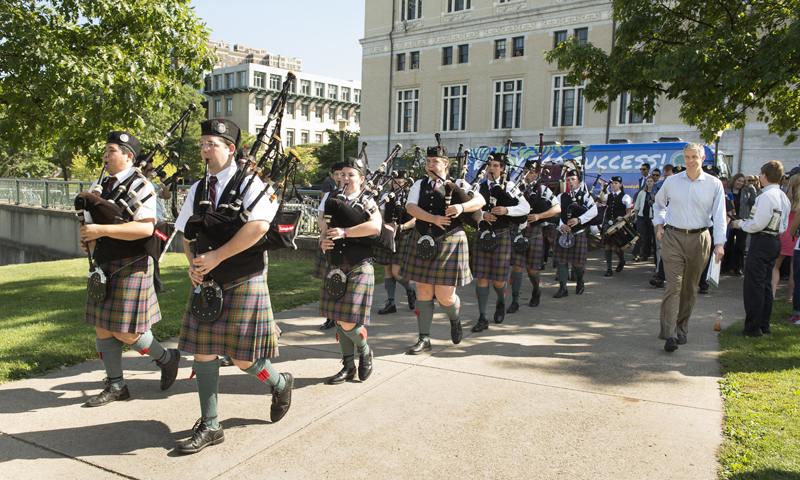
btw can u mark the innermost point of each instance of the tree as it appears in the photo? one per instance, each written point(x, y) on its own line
point(723, 59)
point(330, 153)
point(75, 69)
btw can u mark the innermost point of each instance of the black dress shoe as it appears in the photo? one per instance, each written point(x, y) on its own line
point(456, 333)
point(482, 324)
point(757, 333)
point(671, 345)
point(364, 366)
point(514, 307)
point(657, 282)
point(766, 331)
point(702, 290)
point(328, 324)
point(620, 265)
point(346, 373)
point(535, 297)
point(681, 339)
point(203, 437)
point(412, 299)
point(422, 345)
point(225, 361)
point(561, 293)
point(579, 288)
point(738, 272)
point(609, 273)
point(109, 394)
point(281, 401)
point(542, 266)
point(500, 312)
point(169, 369)
point(390, 307)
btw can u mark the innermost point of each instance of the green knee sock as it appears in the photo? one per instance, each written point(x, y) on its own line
point(346, 345)
point(147, 345)
point(265, 371)
point(207, 388)
point(483, 299)
point(608, 259)
point(578, 272)
point(424, 317)
point(405, 283)
point(621, 255)
point(358, 336)
point(391, 285)
point(535, 280)
point(452, 310)
point(516, 285)
point(110, 351)
point(563, 274)
point(501, 293)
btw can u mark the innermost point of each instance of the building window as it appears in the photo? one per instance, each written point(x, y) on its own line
point(304, 112)
point(463, 53)
point(407, 111)
point(229, 80)
point(317, 138)
point(242, 79)
point(319, 89)
point(414, 60)
point(303, 138)
point(346, 113)
point(289, 139)
point(229, 104)
point(560, 37)
point(290, 106)
point(626, 116)
point(447, 56)
point(519, 46)
point(507, 104)
point(259, 79)
point(412, 9)
point(401, 62)
point(499, 49)
point(582, 34)
point(305, 87)
point(332, 114)
point(217, 82)
point(454, 111)
point(357, 96)
point(567, 103)
point(207, 83)
point(458, 5)
point(346, 94)
point(333, 92)
point(293, 85)
point(260, 105)
point(275, 82)
point(357, 117)
point(218, 107)
point(319, 113)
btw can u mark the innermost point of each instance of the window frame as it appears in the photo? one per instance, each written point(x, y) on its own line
point(563, 34)
point(500, 97)
point(626, 117)
point(407, 119)
point(517, 51)
point(305, 87)
point(499, 53)
point(406, 7)
point(463, 53)
point(449, 100)
point(581, 41)
point(558, 88)
point(458, 5)
point(447, 55)
point(414, 65)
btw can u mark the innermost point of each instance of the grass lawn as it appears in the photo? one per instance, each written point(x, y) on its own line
point(761, 390)
point(41, 317)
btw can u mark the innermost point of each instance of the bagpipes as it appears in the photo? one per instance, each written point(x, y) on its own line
point(499, 196)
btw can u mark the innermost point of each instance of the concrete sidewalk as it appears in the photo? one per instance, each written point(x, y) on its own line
point(576, 388)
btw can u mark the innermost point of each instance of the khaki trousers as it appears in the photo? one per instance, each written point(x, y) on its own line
point(684, 257)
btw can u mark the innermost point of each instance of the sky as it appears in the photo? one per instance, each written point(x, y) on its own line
point(324, 34)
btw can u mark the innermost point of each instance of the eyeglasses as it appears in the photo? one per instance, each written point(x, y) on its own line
point(752, 181)
point(208, 144)
point(644, 168)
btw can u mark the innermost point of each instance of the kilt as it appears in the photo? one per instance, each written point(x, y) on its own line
point(449, 268)
point(549, 230)
point(245, 331)
point(319, 264)
point(131, 305)
point(495, 265)
point(575, 254)
point(381, 256)
point(533, 257)
point(354, 306)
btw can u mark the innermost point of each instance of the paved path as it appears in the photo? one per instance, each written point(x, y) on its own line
point(576, 388)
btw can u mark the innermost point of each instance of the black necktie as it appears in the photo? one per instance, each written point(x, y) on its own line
point(212, 192)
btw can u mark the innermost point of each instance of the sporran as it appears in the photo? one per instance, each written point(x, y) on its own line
point(207, 302)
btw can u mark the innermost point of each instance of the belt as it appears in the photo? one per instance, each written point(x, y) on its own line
point(767, 234)
point(687, 231)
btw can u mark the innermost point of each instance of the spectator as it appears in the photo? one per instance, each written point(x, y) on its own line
point(645, 171)
point(644, 222)
point(742, 199)
point(787, 239)
point(795, 318)
point(333, 179)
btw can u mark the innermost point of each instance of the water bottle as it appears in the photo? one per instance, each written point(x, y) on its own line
point(718, 323)
point(775, 221)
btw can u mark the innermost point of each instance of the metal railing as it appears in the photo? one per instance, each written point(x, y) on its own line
point(61, 195)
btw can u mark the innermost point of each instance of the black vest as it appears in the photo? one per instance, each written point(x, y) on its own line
point(433, 202)
point(615, 206)
point(567, 200)
point(109, 249)
point(502, 220)
point(355, 251)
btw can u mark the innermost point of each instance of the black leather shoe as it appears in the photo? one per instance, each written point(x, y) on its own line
point(346, 373)
point(108, 395)
point(500, 312)
point(671, 345)
point(681, 339)
point(757, 333)
point(535, 296)
point(609, 273)
point(657, 282)
point(203, 437)
point(328, 324)
point(225, 361)
point(542, 266)
point(364, 366)
point(482, 324)
point(169, 370)
point(620, 265)
point(456, 333)
point(390, 307)
point(766, 331)
point(281, 401)
point(514, 307)
point(738, 272)
point(702, 290)
point(422, 345)
point(561, 293)
point(579, 288)
point(412, 299)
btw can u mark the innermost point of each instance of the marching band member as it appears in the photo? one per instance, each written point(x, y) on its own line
point(619, 208)
point(575, 226)
point(319, 266)
point(449, 267)
point(495, 265)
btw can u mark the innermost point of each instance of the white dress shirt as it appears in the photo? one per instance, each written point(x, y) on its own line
point(771, 198)
point(693, 204)
point(148, 208)
point(588, 201)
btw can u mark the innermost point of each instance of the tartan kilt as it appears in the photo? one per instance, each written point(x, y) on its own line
point(449, 268)
point(319, 264)
point(131, 305)
point(354, 306)
point(575, 254)
point(494, 265)
point(535, 255)
point(549, 230)
point(245, 331)
point(381, 256)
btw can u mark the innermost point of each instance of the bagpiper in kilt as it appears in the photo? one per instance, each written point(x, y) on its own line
point(245, 331)
point(619, 205)
point(394, 212)
point(543, 205)
point(346, 254)
point(502, 213)
point(438, 276)
point(331, 183)
point(130, 307)
point(571, 227)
